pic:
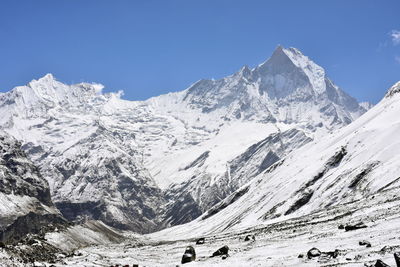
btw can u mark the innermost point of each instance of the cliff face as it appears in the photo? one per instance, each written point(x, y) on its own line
point(25, 201)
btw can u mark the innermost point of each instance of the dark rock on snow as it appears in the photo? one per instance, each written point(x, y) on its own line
point(332, 254)
point(341, 226)
point(351, 227)
point(397, 258)
point(250, 237)
point(365, 243)
point(189, 255)
point(221, 251)
point(314, 252)
point(380, 263)
point(200, 241)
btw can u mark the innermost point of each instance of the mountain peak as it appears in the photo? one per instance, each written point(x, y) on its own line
point(48, 76)
point(45, 79)
point(395, 89)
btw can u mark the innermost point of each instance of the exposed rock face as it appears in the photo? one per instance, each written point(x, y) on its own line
point(26, 205)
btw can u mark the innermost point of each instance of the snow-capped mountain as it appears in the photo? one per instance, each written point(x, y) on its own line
point(143, 165)
point(25, 202)
point(331, 202)
point(92, 169)
point(287, 92)
point(351, 169)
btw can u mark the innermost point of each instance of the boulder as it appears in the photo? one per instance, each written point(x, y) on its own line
point(365, 243)
point(332, 254)
point(200, 241)
point(221, 251)
point(380, 263)
point(351, 227)
point(189, 255)
point(341, 226)
point(314, 252)
point(249, 238)
point(397, 258)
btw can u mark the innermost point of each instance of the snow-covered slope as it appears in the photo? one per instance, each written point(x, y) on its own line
point(357, 164)
point(132, 164)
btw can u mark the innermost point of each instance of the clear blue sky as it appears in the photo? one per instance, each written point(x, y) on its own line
point(147, 47)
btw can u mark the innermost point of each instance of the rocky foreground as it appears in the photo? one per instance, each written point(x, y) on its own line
point(361, 233)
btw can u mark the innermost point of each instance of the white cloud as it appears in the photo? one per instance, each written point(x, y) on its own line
point(395, 34)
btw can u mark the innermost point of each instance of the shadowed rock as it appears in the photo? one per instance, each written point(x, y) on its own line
point(380, 263)
point(351, 227)
point(314, 252)
point(221, 251)
point(249, 238)
point(189, 255)
point(365, 243)
point(200, 241)
point(332, 254)
point(397, 258)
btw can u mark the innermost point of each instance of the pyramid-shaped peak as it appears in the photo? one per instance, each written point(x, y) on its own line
point(291, 53)
point(47, 77)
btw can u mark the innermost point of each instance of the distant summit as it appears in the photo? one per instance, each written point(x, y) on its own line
point(286, 87)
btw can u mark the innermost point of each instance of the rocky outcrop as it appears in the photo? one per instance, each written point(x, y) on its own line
point(26, 206)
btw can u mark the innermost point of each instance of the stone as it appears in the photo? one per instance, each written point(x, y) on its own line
point(380, 263)
point(189, 255)
point(365, 243)
point(200, 241)
point(249, 238)
point(221, 251)
point(333, 254)
point(314, 252)
point(352, 227)
point(397, 258)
